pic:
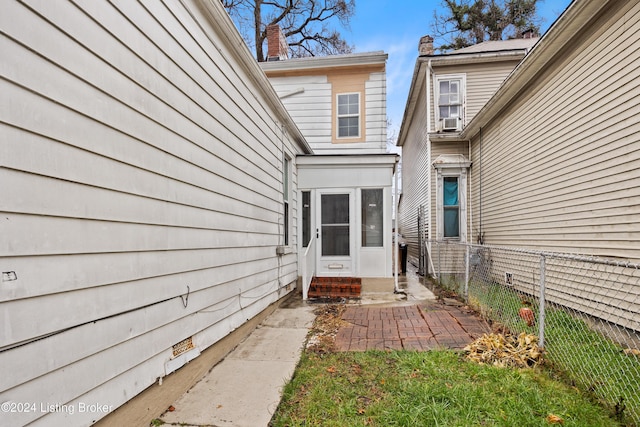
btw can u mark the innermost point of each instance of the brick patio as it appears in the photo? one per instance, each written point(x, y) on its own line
point(414, 327)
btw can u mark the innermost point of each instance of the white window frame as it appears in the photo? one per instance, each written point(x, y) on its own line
point(463, 89)
point(460, 171)
point(286, 198)
point(339, 116)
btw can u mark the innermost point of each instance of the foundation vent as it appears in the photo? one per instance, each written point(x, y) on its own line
point(183, 346)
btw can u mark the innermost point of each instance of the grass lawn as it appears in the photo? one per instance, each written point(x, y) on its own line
point(435, 388)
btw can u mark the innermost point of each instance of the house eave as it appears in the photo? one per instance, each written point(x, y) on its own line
point(347, 160)
point(333, 61)
point(424, 61)
point(571, 22)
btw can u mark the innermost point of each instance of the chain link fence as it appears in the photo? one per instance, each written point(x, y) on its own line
point(584, 310)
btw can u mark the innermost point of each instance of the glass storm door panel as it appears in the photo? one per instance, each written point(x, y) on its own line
point(335, 225)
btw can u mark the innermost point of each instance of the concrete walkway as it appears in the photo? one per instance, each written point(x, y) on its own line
point(244, 389)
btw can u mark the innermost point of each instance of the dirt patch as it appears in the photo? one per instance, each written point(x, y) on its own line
point(322, 335)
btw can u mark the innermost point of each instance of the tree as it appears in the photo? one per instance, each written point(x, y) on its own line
point(305, 24)
point(468, 22)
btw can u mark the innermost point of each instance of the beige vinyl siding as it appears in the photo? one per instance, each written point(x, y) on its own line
point(560, 169)
point(482, 81)
point(139, 166)
point(416, 164)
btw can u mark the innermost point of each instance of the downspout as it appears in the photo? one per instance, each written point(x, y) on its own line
point(396, 241)
point(469, 202)
point(428, 88)
point(480, 238)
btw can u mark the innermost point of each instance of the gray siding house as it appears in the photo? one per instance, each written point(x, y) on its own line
point(145, 214)
point(551, 160)
point(446, 93)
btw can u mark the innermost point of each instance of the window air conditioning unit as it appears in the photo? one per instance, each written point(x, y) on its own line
point(450, 123)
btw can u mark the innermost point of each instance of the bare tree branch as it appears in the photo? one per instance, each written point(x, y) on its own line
point(468, 22)
point(303, 22)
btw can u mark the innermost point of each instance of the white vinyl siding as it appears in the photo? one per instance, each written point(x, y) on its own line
point(570, 148)
point(376, 111)
point(139, 164)
point(308, 101)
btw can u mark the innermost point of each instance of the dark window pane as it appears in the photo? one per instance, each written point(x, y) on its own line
point(451, 222)
point(372, 218)
point(335, 224)
point(306, 218)
point(450, 190)
point(335, 240)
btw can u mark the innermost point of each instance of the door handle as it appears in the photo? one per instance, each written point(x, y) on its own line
point(317, 233)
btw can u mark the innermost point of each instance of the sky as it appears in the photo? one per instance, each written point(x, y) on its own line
point(395, 27)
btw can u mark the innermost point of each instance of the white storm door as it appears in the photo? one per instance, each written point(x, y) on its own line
point(335, 233)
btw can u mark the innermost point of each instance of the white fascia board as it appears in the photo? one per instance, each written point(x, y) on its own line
point(347, 161)
point(332, 61)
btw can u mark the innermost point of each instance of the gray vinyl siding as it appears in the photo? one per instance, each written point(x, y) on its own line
point(416, 165)
point(561, 167)
point(140, 197)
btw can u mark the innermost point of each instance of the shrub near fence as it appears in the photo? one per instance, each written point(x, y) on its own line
point(586, 310)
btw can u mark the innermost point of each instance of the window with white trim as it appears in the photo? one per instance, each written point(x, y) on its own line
point(286, 195)
point(372, 217)
point(451, 196)
point(450, 93)
point(450, 206)
point(348, 119)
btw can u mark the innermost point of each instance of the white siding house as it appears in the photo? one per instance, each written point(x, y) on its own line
point(142, 197)
point(350, 170)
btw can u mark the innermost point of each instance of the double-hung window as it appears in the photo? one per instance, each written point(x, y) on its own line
point(451, 206)
point(348, 115)
point(450, 101)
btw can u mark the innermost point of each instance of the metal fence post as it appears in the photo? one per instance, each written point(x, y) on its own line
point(466, 274)
point(542, 300)
point(439, 263)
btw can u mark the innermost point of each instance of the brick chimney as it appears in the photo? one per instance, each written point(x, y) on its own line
point(529, 34)
point(425, 47)
point(277, 46)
